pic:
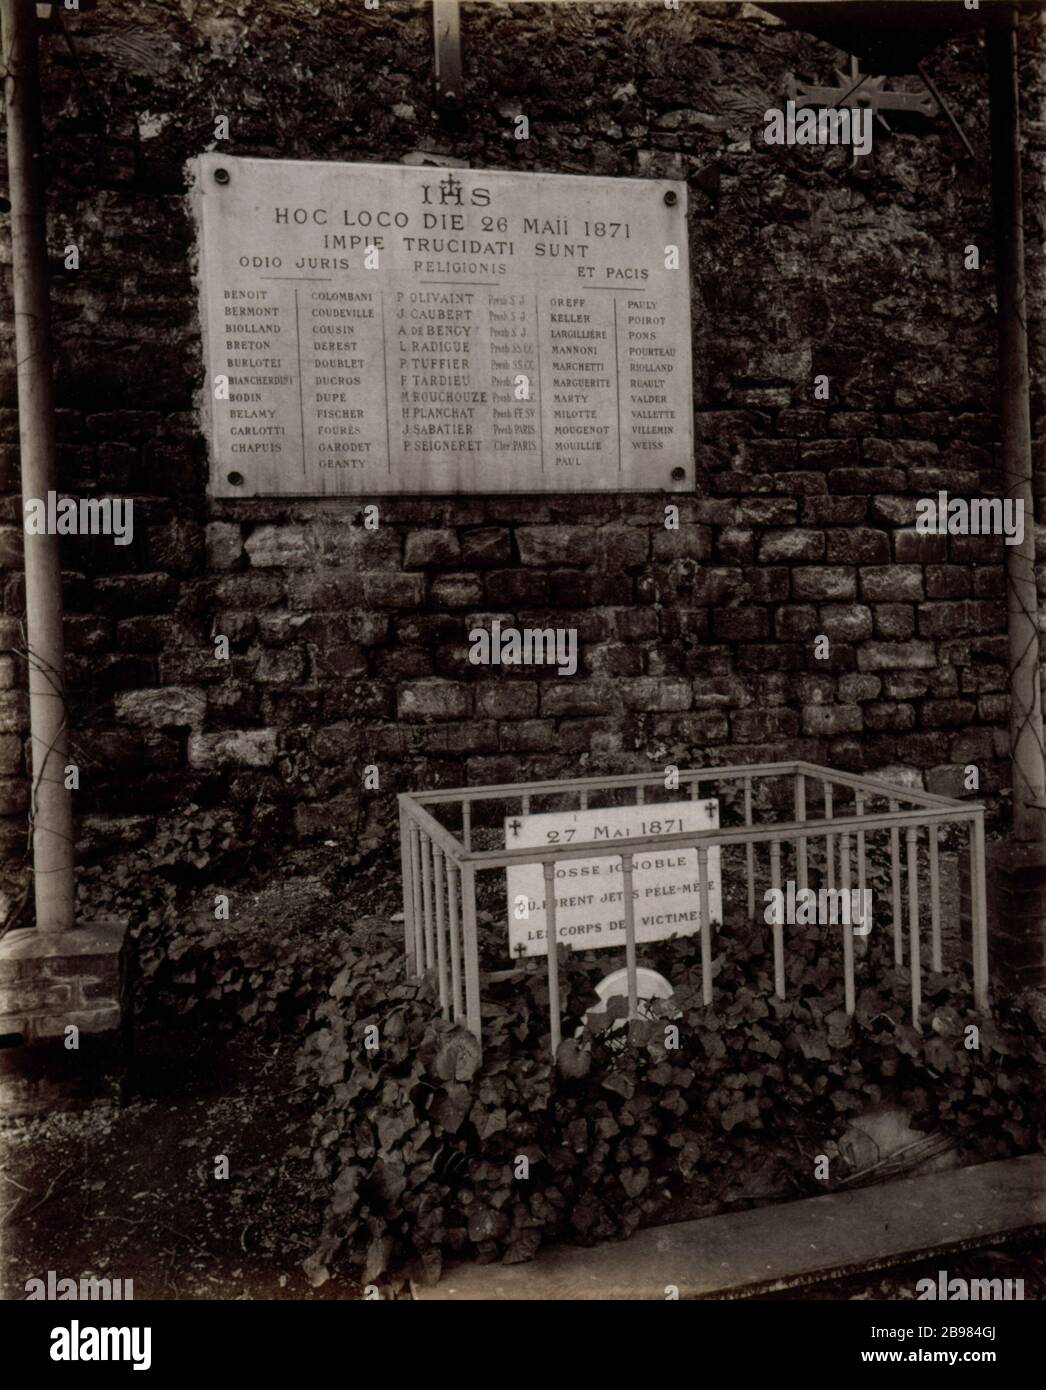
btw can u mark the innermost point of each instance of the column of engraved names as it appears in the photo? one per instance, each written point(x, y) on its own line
point(581, 375)
point(514, 378)
point(651, 365)
point(443, 401)
point(343, 389)
point(257, 341)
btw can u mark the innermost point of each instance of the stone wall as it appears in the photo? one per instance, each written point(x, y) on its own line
point(350, 646)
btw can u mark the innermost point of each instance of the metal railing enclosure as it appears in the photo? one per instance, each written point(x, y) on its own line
point(440, 864)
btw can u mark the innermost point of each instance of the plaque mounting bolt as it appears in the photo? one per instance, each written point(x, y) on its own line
point(678, 474)
point(236, 479)
point(671, 197)
point(221, 176)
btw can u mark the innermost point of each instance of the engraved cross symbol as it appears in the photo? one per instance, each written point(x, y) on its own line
point(514, 825)
point(521, 950)
point(450, 190)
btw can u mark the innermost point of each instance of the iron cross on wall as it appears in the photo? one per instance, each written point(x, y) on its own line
point(862, 89)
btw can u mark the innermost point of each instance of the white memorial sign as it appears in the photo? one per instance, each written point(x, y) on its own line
point(377, 328)
point(589, 896)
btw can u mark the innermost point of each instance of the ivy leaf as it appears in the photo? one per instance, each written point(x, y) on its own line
point(573, 1061)
point(485, 1223)
point(840, 1028)
point(389, 1180)
point(345, 1196)
point(378, 1254)
point(429, 1266)
point(620, 1084)
point(635, 1180)
point(733, 1115)
point(815, 1047)
point(940, 1055)
point(490, 1122)
point(458, 1056)
point(523, 1248)
point(450, 1106)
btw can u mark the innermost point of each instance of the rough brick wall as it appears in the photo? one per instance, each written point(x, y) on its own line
point(350, 646)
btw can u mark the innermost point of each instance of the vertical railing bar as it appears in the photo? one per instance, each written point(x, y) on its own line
point(829, 840)
point(935, 901)
point(706, 925)
point(749, 850)
point(978, 911)
point(848, 935)
point(775, 883)
point(455, 940)
point(862, 871)
point(639, 795)
point(553, 962)
point(583, 799)
point(695, 789)
point(914, 951)
point(895, 885)
point(630, 936)
point(800, 815)
point(466, 824)
point(426, 890)
point(526, 805)
point(439, 893)
point(419, 919)
point(468, 922)
point(407, 875)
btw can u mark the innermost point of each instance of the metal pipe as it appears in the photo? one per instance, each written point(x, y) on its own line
point(51, 807)
point(468, 928)
point(914, 957)
point(427, 849)
point(1026, 747)
point(553, 962)
point(829, 840)
point(935, 901)
point(417, 900)
point(706, 925)
point(848, 934)
point(716, 837)
point(630, 936)
point(749, 850)
point(407, 876)
point(895, 892)
point(862, 863)
point(439, 894)
point(455, 939)
point(706, 775)
point(979, 912)
point(778, 932)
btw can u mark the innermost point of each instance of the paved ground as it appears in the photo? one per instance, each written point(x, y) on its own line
point(770, 1247)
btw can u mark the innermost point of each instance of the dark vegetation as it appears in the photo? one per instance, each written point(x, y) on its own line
point(405, 1153)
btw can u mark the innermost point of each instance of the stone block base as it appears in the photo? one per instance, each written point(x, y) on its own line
point(62, 1017)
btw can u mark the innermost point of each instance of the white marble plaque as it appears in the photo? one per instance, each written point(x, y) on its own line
point(384, 328)
point(589, 897)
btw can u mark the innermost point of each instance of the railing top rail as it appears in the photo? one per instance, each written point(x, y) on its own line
point(876, 785)
point(630, 779)
point(687, 776)
point(690, 839)
point(443, 837)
